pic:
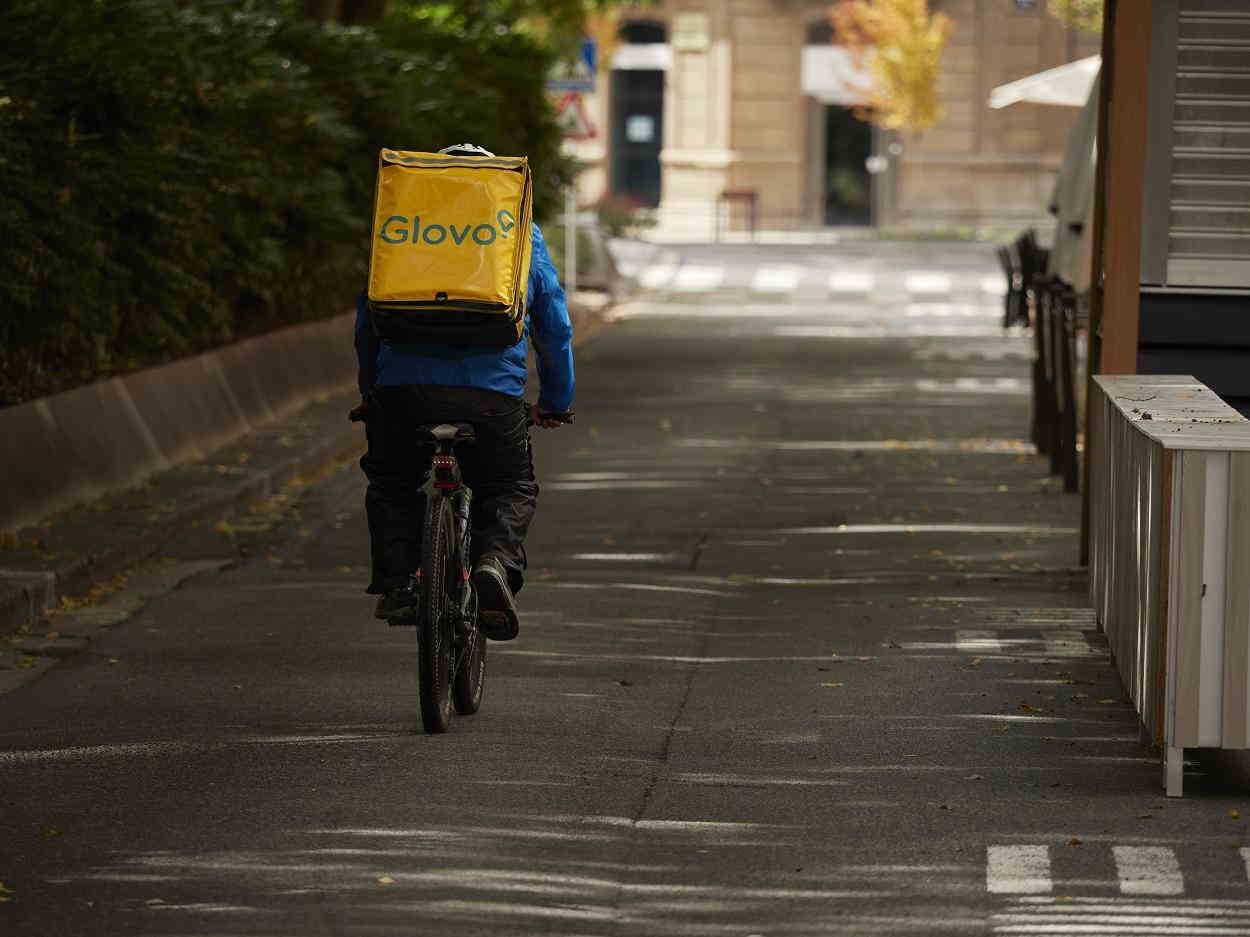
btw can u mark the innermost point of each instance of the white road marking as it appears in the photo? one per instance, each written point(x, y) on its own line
point(1148, 870)
point(697, 279)
point(1017, 870)
point(655, 277)
point(1068, 644)
point(776, 278)
point(932, 529)
point(626, 557)
point(927, 282)
point(1123, 917)
point(973, 385)
point(994, 285)
point(843, 282)
point(952, 311)
point(978, 642)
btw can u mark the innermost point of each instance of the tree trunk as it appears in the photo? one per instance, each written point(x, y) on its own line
point(323, 11)
point(358, 12)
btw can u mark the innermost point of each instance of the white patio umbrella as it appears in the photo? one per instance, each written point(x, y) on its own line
point(1065, 86)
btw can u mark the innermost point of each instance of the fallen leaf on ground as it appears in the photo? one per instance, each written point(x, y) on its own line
point(385, 880)
point(975, 777)
point(1235, 814)
point(831, 684)
point(1075, 841)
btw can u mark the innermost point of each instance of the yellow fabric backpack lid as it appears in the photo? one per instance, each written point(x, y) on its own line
point(451, 248)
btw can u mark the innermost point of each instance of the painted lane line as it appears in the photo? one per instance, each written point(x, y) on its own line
point(978, 642)
point(778, 278)
point(1068, 644)
point(1148, 870)
point(842, 282)
point(927, 282)
point(1017, 870)
point(696, 279)
point(931, 529)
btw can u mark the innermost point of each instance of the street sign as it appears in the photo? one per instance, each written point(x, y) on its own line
point(575, 123)
point(578, 75)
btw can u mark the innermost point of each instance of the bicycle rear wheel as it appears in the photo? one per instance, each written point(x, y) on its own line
point(470, 679)
point(434, 640)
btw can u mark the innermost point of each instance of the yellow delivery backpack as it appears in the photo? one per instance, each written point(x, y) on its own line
point(450, 261)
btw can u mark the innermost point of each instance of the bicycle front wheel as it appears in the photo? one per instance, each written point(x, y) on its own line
point(434, 639)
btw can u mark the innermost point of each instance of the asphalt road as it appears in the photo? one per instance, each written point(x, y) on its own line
point(804, 651)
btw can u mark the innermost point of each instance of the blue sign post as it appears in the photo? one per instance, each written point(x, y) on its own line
point(578, 75)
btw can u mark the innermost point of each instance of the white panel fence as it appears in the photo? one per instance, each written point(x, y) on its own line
point(1170, 557)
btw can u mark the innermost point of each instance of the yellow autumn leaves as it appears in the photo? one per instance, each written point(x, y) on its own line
point(902, 43)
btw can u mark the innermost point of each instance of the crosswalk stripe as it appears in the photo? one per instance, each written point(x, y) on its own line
point(779, 278)
point(1148, 870)
point(1017, 870)
point(695, 279)
point(843, 282)
point(657, 276)
point(994, 286)
point(978, 642)
point(927, 283)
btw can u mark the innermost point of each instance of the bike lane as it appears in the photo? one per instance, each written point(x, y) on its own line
point(803, 651)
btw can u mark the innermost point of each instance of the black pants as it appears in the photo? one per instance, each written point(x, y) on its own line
point(498, 468)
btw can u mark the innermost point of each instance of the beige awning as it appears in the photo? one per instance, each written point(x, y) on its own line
point(1065, 86)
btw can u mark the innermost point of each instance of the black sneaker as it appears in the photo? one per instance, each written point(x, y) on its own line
point(496, 610)
point(399, 606)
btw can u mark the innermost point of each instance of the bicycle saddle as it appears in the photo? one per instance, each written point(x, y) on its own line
point(442, 432)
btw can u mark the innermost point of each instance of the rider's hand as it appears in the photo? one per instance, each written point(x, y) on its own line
point(538, 418)
point(359, 414)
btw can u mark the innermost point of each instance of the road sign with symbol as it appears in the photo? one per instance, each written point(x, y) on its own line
point(571, 115)
point(577, 75)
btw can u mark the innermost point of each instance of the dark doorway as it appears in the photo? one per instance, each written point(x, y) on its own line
point(848, 186)
point(637, 134)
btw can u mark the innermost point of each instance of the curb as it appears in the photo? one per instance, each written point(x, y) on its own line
point(25, 597)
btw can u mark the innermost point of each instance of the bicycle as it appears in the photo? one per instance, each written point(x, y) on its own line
point(451, 651)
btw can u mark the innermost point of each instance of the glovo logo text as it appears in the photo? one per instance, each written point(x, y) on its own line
point(401, 229)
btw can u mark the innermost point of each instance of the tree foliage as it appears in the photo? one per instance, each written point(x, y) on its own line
point(182, 173)
point(1085, 15)
point(902, 43)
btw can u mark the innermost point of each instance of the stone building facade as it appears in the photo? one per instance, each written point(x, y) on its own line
point(701, 98)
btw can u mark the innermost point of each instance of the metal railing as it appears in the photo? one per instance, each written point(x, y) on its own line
point(1170, 557)
point(1056, 313)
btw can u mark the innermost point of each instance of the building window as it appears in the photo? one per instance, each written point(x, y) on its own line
point(643, 32)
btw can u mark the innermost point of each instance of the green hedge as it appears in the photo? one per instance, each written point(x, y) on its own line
point(178, 175)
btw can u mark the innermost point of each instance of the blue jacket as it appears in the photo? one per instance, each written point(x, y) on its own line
point(503, 370)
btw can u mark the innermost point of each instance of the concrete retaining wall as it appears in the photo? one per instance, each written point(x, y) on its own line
point(61, 450)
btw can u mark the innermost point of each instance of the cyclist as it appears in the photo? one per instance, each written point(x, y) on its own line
point(405, 386)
